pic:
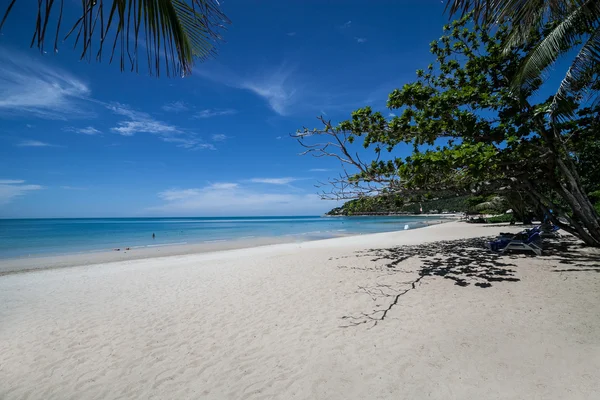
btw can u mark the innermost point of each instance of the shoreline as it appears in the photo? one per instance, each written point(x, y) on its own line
point(67, 260)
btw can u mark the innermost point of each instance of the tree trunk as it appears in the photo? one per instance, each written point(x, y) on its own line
point(583, 210)
point(574, 226)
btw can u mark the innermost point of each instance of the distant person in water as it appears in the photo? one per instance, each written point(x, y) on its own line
point(153, 236)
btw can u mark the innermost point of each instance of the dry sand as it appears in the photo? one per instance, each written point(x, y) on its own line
point(285, 322)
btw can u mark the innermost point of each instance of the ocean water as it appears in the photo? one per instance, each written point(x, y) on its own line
point(37, 237)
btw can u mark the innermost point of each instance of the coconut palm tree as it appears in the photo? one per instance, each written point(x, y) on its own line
point(565, 25)
point(176, 31)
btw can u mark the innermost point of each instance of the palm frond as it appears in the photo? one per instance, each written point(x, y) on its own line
point(174, 33)
point(562, 37)
point(524, 21)
point(483, 10)
point(581, 74)
point(495, 11)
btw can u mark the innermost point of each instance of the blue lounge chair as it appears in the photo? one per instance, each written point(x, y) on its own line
point(550, 231)
point(532, 243)
point(527, 232)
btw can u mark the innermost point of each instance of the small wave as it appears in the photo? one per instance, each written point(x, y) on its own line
point(165, 244)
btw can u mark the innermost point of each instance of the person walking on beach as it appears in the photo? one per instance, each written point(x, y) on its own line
point(153, 235)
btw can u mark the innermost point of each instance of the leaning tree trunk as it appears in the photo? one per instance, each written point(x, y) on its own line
point(580, 204)
point(573, 225)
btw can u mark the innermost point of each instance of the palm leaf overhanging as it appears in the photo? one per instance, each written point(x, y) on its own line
point(174, 31)
point(569, 23)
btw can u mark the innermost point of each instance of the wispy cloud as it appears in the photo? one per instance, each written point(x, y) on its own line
point(32, 88)
point(67, 187)
point(275, 86)
point(141, 122)
point(209, 113)
point(346, 25)
point(35, 143)
point(88, 130)
point(274, 181)
point(223, 186)
point(11, 181)
point(12, 188)
point(176, 107)
point(219, 137)
point(234, 199)
point(138, 122)
point(319, 170)
point(291, 33)
point(360, 40)
point(190, 143)
point(391, 115)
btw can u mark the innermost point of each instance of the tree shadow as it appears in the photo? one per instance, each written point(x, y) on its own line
point(573, 254)
point(465, 262)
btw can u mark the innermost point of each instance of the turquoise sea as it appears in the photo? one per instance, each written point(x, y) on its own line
point(37, 237)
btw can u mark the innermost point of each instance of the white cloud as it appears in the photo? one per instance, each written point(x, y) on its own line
point(176, 107)
point(233, 199)
point(360, 40)
point(291, 33)
point(274, 181)
point(278, 137)
point(219, 137)
point(12, 188)
point(319, 170)
point(130, 128)
point(223, 186)
point(89, 130)
point(66, 187)
point(346, 25)
point(139, 122)
point(188, 142)
point(391, 115)
point(214, 113)
point(10, 181)
point(34, 143)
point(32, 88)
point(275, 86)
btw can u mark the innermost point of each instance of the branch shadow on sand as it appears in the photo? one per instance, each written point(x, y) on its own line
point(571, 255)
point(465, 262)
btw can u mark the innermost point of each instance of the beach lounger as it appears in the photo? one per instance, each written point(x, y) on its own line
point(524, 234)
point(532, 243)
point(549, 232)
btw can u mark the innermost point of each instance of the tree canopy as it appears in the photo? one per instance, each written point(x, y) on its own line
point(567, 25)
point(469, 133)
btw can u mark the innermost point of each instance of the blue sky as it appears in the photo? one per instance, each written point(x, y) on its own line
point(82, 139)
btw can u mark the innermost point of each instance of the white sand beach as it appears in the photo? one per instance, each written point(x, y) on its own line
point(300, 321)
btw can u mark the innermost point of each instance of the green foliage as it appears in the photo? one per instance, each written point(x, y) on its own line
point(397, 204)
point(471, 134)
point(500, 218)
point(568, 28)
